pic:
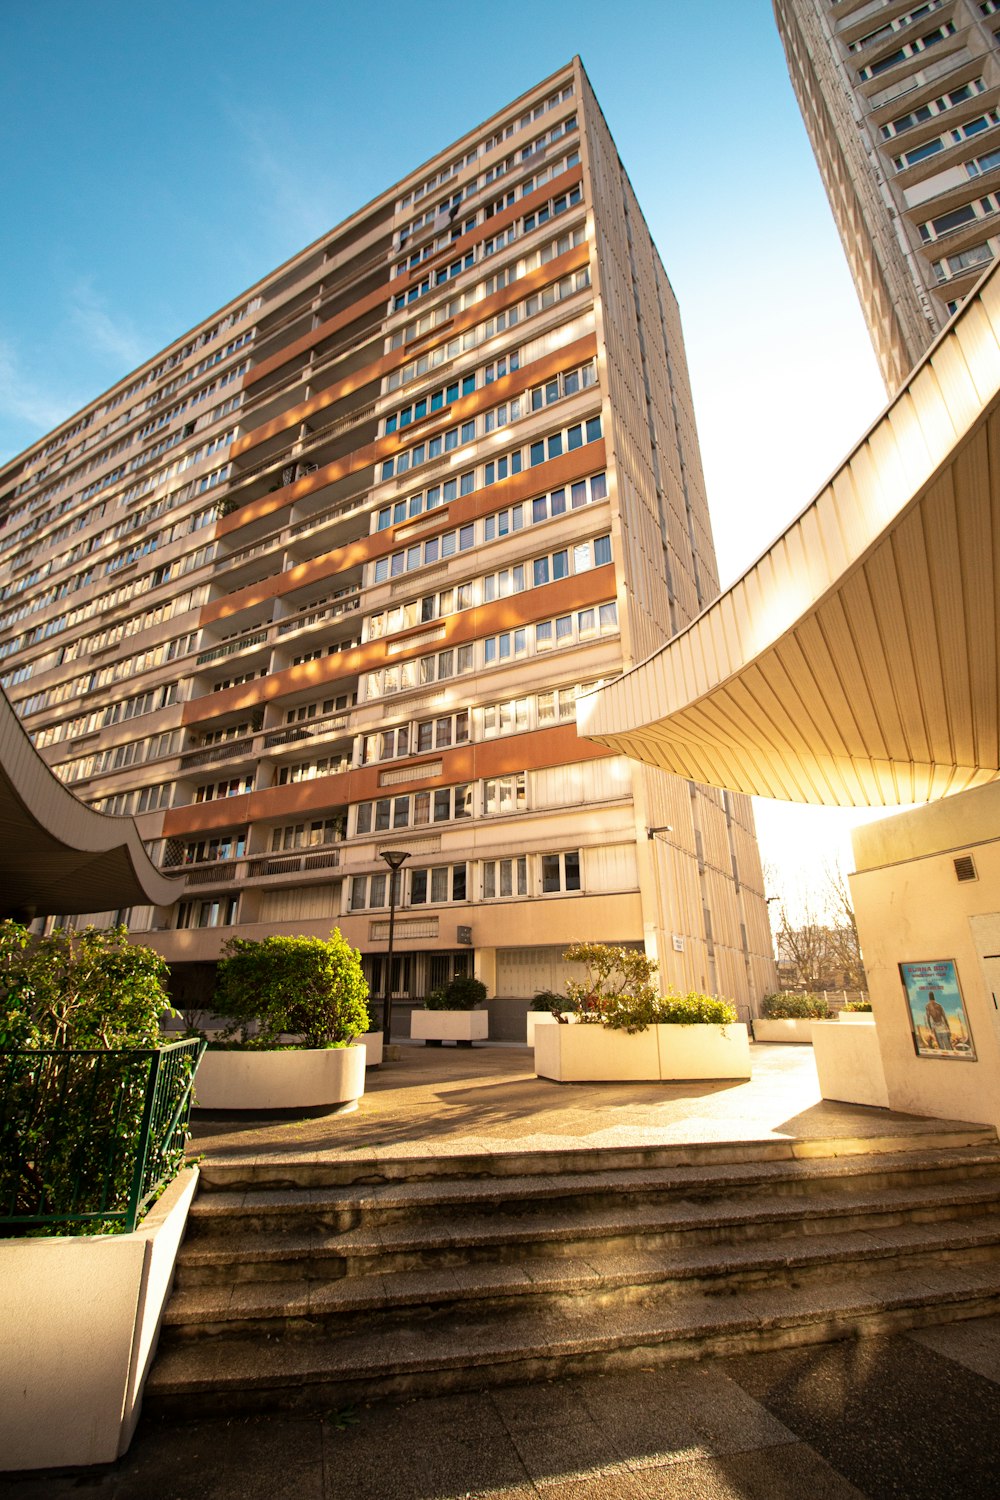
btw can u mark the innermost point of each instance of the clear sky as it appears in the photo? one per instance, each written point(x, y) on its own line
point(158, 159)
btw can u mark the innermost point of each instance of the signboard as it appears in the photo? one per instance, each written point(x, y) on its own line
point(938, 1021)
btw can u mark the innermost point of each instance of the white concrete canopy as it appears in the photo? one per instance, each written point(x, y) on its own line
point(57, 855)
point(855, 664)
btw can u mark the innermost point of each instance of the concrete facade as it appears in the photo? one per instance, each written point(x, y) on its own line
point(324, 579)
point(902, 105)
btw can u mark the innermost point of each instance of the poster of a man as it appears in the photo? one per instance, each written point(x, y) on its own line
point(938, 1021)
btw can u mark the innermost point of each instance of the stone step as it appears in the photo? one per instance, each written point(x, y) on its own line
point(468, 1237)
point(343, 1307)
point(298, 1210)
point(313, 1173)
point(571, 1337)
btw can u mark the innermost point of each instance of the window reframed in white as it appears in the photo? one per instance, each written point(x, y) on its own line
point(560, 874)
point(444, 804)
point(503, 795)
point(420, 671)
point(504, 878)
point(436, 885)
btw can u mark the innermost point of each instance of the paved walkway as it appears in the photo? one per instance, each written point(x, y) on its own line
point(913, 1417)
point(452, 1101)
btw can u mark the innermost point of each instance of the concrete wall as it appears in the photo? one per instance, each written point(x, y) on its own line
point(911, 908)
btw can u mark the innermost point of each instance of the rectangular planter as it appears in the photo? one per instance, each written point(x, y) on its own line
point(373, 1045)
point(783, 1029)
point(80, 1317)
point(466, 1026)
point(849, 1063)
point(321, 1078)
point(593, 1054)
point(537, 1018)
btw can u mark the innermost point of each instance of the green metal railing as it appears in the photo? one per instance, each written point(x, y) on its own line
point(87, 1139)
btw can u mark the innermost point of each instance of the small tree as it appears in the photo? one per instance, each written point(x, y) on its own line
point(310, 988)
point(619, 982)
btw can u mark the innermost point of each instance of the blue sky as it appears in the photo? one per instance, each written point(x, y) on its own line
point(158, 159)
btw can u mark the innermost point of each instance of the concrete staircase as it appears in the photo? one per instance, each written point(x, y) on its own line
point(325, 1283)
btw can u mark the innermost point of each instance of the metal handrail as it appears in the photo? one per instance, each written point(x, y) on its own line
point(69, 1153)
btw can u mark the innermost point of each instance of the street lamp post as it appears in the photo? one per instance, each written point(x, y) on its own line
point(395, 859)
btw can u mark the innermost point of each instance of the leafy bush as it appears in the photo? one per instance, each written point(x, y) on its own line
point(618, 992)
point(312, 989)
point(858, 1005)
point(79, 990)
point(461, 993)
point(547, 1000)
point(694, 1009)
point(795, 1008)
point(80, 1017)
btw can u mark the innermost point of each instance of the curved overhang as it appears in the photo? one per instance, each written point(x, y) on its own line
point(58, 856)
point(855, 664)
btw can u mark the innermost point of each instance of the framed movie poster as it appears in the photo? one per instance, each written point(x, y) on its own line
point(938, 1021)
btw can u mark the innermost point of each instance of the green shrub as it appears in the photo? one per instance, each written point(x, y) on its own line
point(461, 993)
point(547, 1000)
point(858, 1005)
point(694, 1009)
point(80, 1014)
point(312, 989)
point(79, 990)
point(795, 1008)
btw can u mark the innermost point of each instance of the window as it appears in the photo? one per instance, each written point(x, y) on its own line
point(561, 872)
point(369, 891)
point(505, 877)
point(218, 913)
point(505, 794)
point(233, 787)
point(437, 884)
point(422, 554)
point(224, 846)
point(419, 672)
point(417, 809)
point(306, 835)
point(506, 718)
point(935, 228)
point(310, 770)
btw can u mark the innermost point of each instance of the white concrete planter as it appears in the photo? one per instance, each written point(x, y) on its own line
point(538, 1018)
point(462, 1026)
point(79, 1320)
point(593, 1054)
point(783, 1029)
point(373, 1045)
point(856, 1017)
point(849, 1063)
point(321, 1078)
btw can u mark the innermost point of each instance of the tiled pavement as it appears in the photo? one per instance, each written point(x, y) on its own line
point(915, 1415)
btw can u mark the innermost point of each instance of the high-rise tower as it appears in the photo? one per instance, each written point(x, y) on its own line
point(325, 577)
point(902, 105)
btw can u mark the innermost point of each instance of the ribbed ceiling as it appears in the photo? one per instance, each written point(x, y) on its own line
point(855, 664)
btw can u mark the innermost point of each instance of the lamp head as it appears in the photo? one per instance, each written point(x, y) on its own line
point(394, 858)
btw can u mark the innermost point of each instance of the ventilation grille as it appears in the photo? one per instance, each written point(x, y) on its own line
point(965, 868)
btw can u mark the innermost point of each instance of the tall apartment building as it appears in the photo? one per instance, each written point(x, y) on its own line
point(324, 579)
point(902, 105)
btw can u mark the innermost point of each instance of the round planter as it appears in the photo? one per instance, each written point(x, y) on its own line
point(326, 1078)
